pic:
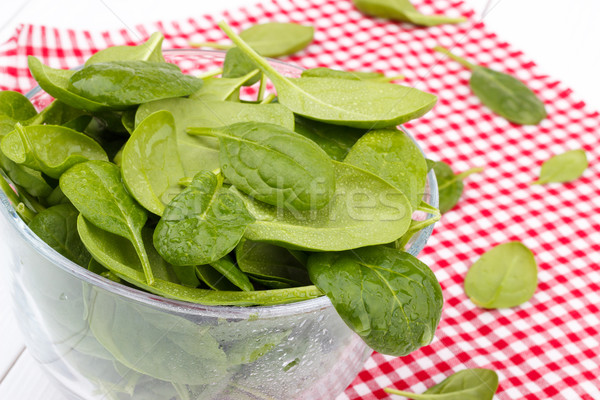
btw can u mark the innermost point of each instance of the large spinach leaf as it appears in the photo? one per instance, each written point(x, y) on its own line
point(361, 104)
point(96, 190)
point(274, 164)
point(365, 210)
point(391, 299)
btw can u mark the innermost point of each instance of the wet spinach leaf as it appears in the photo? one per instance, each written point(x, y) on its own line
point(468, 384)
point(122, 84)
point(365, 210)
point(450, 185)
point(357, 104)
point(95, 188)
point(202, 153)
point(201, 224)
point(57, 226)
point(29, 179)
point(213, 278)
point(403, 10)
point(50, 149)
point(268, 263)
point(505, 276)
point(274, 164)
point(502, 93)
point(150, 162)
point(565, 167)
point(388, 297)
point(393, 156)
point(226, 267)
point(147, 51)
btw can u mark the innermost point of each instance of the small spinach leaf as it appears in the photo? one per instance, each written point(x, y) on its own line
point(147, 51)
point(336, 140)
point(201, 224)
point(389, 298)
point(403, 10)
point(274, 164)
point(468, 384)
point(365, 210)
point(96, 190)
point(57, 226)
point(269, 262)
point(126, 83)
point(505, 276)
point(565, 167)
point(16, 106)
point(29, 179)
point(360, 104)
point(502, 93)
point(222, 88)
point(450, 185)
point(237, 65)
point(213, 278)
point(50, 149)
point(150, 162)
point(233, 273)
point(276, 39)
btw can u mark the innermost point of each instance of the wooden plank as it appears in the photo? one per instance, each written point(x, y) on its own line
point(11, 345)
point(26, 380)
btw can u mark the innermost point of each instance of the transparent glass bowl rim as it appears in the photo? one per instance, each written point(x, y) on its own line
point(170, 305)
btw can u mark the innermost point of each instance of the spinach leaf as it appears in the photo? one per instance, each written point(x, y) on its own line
point(505, 276)
point(276, 39)
point(56, 113)
point(270, 263)
point(96, 190)
point(502, 93)
point(322, 72)
point(50, 149)
point(150, 162)
point(565, 167)
point(365, 210)
point(233, 273)
point(360, 104)
point(389, 298)
point(16, 106)
point(403, 10)
point(274, 164)
point(126, 83)
point(336, 140)
point(171, 348)
point(201, 224)
point(57, 226)
point(29, 179)
point(393, 156)
point(55, 82)
point(147, 51)
point(468, 384)
point(213, 278)
point(120, 257)
point(450, 185)
point(237, 65)
point(202, 153)
point(222, 89)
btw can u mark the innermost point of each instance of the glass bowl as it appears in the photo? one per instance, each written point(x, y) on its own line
point(102, 340)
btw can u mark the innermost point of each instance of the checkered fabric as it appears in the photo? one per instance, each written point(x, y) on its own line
point(546, 348)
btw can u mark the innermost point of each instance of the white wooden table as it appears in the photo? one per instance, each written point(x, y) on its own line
point(561, 37)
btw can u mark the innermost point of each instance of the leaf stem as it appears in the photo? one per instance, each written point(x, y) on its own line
point(461, 176)
point(456, 58)
point(405, 394)
point(141, 251)
point(212, 45)
point(210, 74)
point(200, 131)
point(25, 213)
point(268, 99)
point(261, 88)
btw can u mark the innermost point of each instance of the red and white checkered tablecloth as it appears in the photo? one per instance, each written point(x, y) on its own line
point(545, 349)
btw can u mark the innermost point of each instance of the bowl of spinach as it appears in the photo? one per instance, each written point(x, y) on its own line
point(173, 231)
